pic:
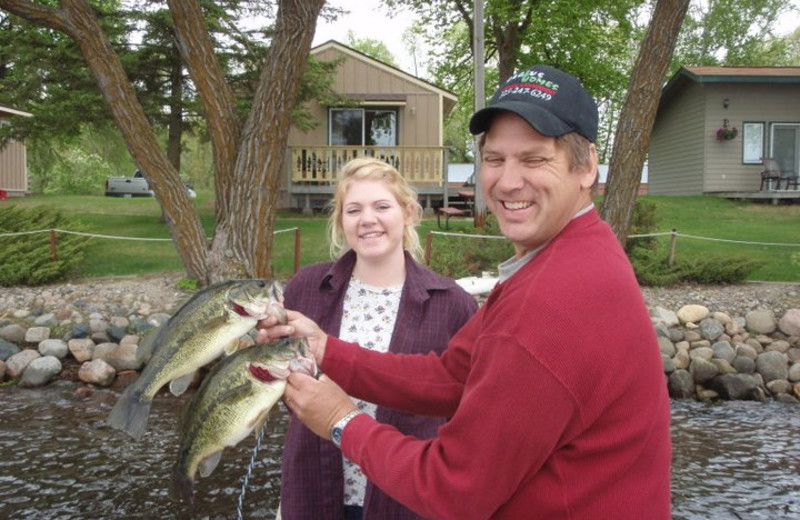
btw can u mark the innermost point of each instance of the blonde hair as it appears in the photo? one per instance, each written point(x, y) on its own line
point(368, 168)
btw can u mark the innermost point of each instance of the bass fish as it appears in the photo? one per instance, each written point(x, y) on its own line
point(206, 326)
point(234, 399)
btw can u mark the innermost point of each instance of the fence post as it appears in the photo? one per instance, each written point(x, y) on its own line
point(296, 249)
point(673, 239)
point(53, 255)
point(428, 245)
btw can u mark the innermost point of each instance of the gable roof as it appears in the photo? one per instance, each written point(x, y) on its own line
point(686, 75)
point(333, 44)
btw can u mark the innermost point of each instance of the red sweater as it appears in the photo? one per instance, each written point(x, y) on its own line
point(556, 391)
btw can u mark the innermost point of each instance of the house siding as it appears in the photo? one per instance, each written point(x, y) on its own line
point(685, 156)
point(768, 103)
point(419, 120)
point(677, 146)
point(13, 167)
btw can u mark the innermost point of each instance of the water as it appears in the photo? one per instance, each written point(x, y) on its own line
point(737, 460)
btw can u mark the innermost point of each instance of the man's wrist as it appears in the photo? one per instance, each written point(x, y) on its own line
point(338, 428)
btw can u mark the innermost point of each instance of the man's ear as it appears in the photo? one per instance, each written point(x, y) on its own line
point(588, 177)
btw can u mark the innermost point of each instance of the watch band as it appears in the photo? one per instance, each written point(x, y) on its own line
point(338, 428)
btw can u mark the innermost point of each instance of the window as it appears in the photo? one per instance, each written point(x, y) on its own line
point(363, 127)
point(753, 143)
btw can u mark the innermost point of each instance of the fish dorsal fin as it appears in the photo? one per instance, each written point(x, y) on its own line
point(208, 464)
point(179, 385)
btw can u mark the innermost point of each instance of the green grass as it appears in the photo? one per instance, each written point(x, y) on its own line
point(702, 216)
point(735, 220)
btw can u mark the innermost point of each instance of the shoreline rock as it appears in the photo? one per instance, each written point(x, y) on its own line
point(717, 342)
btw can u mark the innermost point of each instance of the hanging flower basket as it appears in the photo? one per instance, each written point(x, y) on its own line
point(726, 134)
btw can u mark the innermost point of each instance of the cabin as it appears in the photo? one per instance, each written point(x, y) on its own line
point(13, 160)
point(390, 114)
point(717, 129)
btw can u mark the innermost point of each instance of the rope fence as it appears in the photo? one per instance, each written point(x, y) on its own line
point(54, 239)
point(674, 234)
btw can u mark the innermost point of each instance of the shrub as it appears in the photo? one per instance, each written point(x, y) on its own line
point(653, 269)
point(25, 259)
point(459, 257)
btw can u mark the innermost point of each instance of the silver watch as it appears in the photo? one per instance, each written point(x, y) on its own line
point(338, 428)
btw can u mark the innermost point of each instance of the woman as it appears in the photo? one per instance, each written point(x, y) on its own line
point(377, 294)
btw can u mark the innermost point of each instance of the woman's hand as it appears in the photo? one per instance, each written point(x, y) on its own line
point(297, 326)
point(318, 403)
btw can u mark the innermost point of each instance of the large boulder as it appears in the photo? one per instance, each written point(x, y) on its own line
point(40, 371)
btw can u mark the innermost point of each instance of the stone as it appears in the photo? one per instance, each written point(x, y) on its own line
point(743, 349)
point(40, 371)
point(123, 357)
point(81, 330)
point(98, 325)
point(711, 329)
point(722, 317)
point(692, 335)
point(129, 339)
point(46, 320)
point(53, 347)
point(7, 349)
point(744, 365)
point(737, 386)
point(772, 365)
point(97, 372)
point(779, 386)
point(702, 370)
point(682, 360)
point(761, 321)
point(682, 345)
point(693, 313)
point(779, 345)
point(796, 389)
point(2, 371)
point(701, 353)
point(16, 364)
point(794, 373)
point(669, 365)
point(116, 333)
point(703, 343)
point(789, 324)
point(13, 333)
point(666, 346)
point(723, 366)
point(36, 335)
point(681, 386)
point(665, 316)
point(723, 350)
point(787, 399)
point(82, 349)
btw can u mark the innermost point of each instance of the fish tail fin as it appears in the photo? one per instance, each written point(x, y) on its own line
point(130, 414)
point(182, 485)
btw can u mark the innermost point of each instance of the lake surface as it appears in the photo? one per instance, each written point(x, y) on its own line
point(738, 460)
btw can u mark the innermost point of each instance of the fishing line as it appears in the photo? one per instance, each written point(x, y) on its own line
point(249, 472)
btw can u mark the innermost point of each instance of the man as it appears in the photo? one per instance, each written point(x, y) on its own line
point(555, 388)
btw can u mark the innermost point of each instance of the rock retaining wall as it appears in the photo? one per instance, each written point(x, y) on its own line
point(707, 355)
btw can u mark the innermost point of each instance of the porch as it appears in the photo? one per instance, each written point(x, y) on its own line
point(773, 196)
point(313, 169)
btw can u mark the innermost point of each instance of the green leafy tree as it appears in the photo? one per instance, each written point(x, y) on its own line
point(372, 48)
point(248, 152)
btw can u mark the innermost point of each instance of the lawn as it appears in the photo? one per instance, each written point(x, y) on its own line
point(698, 216)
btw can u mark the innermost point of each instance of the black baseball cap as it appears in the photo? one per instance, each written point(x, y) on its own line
point(550, 100)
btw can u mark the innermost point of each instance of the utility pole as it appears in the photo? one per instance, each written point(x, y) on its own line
point(479, 207)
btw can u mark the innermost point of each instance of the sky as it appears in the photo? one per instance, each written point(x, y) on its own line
point(367, 19)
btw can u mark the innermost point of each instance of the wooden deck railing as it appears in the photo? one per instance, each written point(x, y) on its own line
point(320, 164)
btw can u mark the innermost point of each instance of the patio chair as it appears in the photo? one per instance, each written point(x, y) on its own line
point(771, 173)
point(791, 180)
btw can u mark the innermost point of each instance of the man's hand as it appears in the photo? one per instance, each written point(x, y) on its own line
point(297, 326)
point(318, 403)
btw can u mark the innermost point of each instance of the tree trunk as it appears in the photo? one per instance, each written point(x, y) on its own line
point(243, 237)
point(638, 114)
point(248, 162)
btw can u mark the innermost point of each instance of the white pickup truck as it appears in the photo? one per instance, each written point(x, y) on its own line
point(136, 186)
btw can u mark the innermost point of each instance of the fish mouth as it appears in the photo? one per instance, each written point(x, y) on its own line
point(259, 310)
point(268, 373)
